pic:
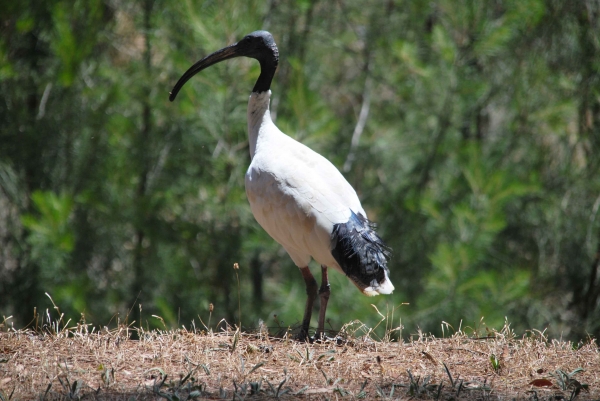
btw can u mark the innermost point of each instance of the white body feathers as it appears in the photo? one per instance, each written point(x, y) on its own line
point(295, 194)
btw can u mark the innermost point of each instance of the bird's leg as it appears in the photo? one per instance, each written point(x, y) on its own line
point(311, 293)
point(324, 292)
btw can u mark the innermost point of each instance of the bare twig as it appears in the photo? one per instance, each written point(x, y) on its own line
point(45, 95)
point(362, 120)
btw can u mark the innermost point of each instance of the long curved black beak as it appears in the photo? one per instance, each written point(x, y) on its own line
point(220, 55)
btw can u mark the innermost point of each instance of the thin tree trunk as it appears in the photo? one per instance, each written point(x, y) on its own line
point(140, 235)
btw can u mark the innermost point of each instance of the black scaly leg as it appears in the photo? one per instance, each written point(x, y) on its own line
point(324, 292)
point(311, 293)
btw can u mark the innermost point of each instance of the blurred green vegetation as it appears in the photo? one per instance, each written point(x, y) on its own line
point(479, 158)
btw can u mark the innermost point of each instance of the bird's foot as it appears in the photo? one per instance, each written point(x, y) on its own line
point(321, 338)
point(318, 338)
point(303, 337)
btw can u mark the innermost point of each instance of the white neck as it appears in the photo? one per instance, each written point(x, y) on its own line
point(259, 118)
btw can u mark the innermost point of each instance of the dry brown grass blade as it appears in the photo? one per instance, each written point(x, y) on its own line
point(179, 364)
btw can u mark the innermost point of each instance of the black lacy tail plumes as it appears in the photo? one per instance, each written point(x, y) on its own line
point(358, 249)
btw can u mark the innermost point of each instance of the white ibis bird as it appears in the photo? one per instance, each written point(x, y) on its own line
point(298, 196)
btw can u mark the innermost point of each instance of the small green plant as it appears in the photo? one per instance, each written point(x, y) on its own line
point(278, 392)
point(71, 389)
point(362, 393)
point(495, 363)
point(107, 375)
point(419, 388)
point(565, 381)
point(186, 388)
point(454, 382)
point(4, 397)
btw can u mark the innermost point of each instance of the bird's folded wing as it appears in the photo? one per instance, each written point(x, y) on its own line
point(297, 198)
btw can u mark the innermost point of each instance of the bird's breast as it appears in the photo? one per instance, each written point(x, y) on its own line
point(289, 210)
point(279, 206)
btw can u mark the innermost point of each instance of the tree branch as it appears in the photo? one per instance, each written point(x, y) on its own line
point(362, 120)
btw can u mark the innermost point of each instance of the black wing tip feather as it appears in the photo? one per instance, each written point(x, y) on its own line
point(358, 249)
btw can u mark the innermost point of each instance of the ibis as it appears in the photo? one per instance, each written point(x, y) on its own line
point(298, 196)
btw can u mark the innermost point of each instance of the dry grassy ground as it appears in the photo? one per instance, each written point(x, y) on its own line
point(75, 363)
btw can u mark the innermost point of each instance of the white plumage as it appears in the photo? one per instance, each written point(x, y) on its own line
point(295, 194)
point(298, 196)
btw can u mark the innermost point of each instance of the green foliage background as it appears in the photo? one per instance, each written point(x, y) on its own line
point(479, 158)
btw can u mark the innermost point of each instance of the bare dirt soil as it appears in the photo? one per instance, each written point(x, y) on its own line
point(77, 363)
